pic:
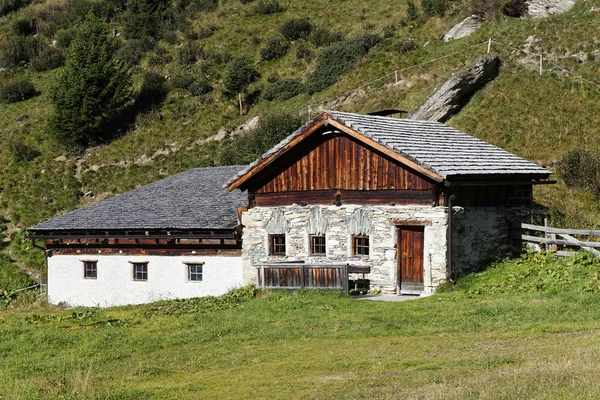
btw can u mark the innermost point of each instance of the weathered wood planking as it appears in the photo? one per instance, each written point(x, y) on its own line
point(299, 276)
point(340, 162)
point(327, 197)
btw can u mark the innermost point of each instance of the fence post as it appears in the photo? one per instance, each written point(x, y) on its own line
point(489, 45)
point(345, 278)
point(546, 234)
point(396, 76)
point(541, 67)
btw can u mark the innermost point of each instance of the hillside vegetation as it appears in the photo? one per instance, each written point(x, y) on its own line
point(196, 56)
point(527, 328)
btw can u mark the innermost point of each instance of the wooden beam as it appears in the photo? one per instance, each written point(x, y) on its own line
point(388, 152)
point(318, 123)
point(410, 223)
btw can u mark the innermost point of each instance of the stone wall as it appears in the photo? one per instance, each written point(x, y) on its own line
point(339, 224)
point(482, 234)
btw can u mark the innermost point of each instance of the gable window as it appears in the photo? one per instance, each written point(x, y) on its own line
point(195, 272)
point(140, 271)
point(317, 245)
point(277, 245)
point(360, 245)
point(90, 269)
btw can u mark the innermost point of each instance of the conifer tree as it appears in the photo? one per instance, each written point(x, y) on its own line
point(92, 91)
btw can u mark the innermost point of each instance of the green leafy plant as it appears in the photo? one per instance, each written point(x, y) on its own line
point(239, 76)
point(283, 89)
point(17, 90)
point(296, 28)
point(92, 90)
point(48, 59)
point(273, 50)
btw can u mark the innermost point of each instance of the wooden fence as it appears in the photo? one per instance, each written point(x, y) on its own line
point(558, 240)
point(303, 276)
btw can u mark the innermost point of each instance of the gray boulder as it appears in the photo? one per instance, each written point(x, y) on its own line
point(547, 8)
point(463, 28)
point(458, 90)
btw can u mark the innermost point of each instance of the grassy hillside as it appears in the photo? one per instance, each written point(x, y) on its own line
point(537, 117)
point(527, 328)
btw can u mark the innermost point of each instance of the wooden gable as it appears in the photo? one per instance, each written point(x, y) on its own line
point(327, 164)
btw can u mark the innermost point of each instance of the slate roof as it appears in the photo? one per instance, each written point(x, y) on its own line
point(194, 199)
point(435, 146)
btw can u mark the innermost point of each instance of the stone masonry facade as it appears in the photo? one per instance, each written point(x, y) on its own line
point(338, 224)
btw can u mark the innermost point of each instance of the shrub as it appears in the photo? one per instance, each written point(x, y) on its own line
point(48, 59)
point(18, 51)
point(63, 38)
point(246, 1)
point(181, 80)
point(406, 45)
point(133, 50)
point(200, 87)
point(434, 7)
point(8, 6)
point(153, 90)
point(338, 59)
point(580, 169)
point(320, 36)
point(238, 76)
point(304, 53)
point(271, 129)
point(17, 90)
point(515, 8)
point(283, 89)
point(296, 28)
point(412, 12)
point(189, 53)
point(206, 31)
point(144, 17)
point(273, 50)
point(21, 151)
point(204, 5)
point(23, 27)
point(262, 8)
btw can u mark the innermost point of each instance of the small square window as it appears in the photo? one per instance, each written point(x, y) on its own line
point(317, 245)
point(195, 272)
point(360, 245)
point(277, 245)
point(90, 269)
point(140, 271)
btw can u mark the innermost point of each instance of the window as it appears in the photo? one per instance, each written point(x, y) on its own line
point(317, 245)
point(360, 245)
point(277, 245)
point(195, 272)
point(140, 271)
point(90, 269)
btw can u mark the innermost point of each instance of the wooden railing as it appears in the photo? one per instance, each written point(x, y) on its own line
point(303, 276)
point(556, 238)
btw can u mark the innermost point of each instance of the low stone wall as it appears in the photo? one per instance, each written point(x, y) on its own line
point(338, 222)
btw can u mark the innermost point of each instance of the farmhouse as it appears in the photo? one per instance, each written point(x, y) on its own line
point(392, 204)
point(176, 238)
point(403, 203)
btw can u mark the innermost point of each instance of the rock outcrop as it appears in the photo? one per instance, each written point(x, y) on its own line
point(458, 90)
point(547, 8)
point(463, 28)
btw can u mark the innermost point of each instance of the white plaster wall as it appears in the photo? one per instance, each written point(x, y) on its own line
point(167, 279)
point(383, 238)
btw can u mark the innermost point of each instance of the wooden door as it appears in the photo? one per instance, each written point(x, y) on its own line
point(410, 259)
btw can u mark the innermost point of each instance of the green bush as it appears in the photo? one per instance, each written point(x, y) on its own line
point(189, 53)
point(296, 28)
point(266, 8)
point(580, 169)
point(48, 59)
point(204, 5)
point(206, 31)
point(11, 279)
point(23, 27)
point(8, 6)
point(200, 87)
point(239, 76)
point(144, 18)
point(271, 129)
point(63, 37)
point(432, 8)
point(21, 151)
point(303, 52)
point(17, 90)
point(153, 90)
point(412, 12)
point(406, 45)
point(18, 51)
point(134, 50)
point(515, 8)
point(273, 50)
point(283, 89)
point(321, 36)
point(338, 59)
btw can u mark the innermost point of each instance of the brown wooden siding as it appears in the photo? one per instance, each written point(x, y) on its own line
point(340, 162)
point(327, 197)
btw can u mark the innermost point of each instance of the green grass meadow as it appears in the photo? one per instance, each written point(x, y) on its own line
point(526, 328)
